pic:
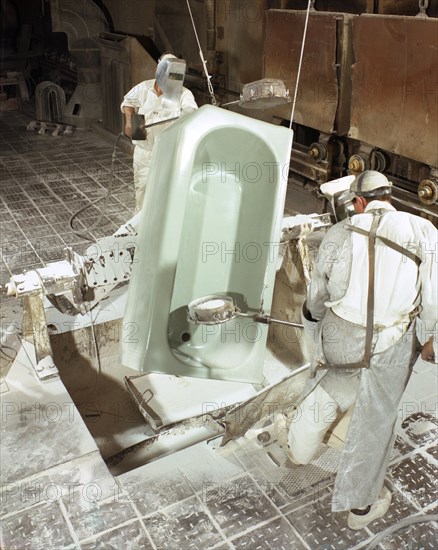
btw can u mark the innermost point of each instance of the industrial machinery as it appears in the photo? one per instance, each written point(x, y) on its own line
point(367, 98)
point(77, 284)
point(74, 286)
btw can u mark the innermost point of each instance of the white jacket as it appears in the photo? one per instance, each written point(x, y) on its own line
point(146, 102)
point(340, 275)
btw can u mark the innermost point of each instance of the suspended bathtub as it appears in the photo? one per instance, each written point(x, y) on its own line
point(210, 226)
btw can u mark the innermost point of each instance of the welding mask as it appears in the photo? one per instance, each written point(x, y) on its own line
point(340, 197)
point(342, 205)
point(170, 78)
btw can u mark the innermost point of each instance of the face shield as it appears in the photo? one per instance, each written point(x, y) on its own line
point(338, 193)
point(170, 78)
point(343, 206)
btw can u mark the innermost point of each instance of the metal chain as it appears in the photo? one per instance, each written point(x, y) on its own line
point(423, 5)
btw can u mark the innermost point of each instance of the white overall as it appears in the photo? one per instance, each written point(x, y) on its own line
point(338, 296)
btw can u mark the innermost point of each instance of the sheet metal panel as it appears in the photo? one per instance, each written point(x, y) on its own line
point(318, 87)
point(395, 85)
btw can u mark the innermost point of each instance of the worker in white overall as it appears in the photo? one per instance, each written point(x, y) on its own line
point(373, 292)
point(158, 99)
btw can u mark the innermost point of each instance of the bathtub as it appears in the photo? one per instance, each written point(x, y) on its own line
point(210, 225)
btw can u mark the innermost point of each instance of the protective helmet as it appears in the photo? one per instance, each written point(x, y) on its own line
point(169, 68)
point(371, 183)
point(167, 56)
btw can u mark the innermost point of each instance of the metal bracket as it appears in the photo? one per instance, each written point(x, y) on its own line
point(34, 314)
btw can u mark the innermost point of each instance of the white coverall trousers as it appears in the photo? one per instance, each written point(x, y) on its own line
point(375, 392)
point(311, 421)
point(141, 165)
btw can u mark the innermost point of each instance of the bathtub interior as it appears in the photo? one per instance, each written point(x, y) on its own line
point(210, 225)
point(227, 247)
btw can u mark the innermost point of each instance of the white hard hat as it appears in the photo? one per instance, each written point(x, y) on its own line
point(371, 183)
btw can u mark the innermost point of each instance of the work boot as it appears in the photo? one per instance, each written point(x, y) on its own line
point(377, 510)
point(281, 430)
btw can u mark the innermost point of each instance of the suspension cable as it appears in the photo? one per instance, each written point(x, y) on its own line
point(309, 5)
point(201, 55)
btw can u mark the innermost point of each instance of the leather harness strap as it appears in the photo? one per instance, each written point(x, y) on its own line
point(369, 328)
point(388, 242)
point(371, 287)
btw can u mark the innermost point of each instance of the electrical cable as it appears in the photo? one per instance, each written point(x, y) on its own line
point(105, 197)
point(201, 55)
point(406, 522)
point(8, 357)
point(300, 63)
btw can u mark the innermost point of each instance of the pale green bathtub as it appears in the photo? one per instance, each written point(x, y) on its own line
point(210, 225)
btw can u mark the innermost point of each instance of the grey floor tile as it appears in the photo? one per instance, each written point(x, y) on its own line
point(291, 481)
point(184, 525)
point(421, 536)
point(39, 172)
point(278, 534)
point(401, 448)
point(421, 428)
point(400, 508)
point(433, 451)
point(33, 233)
point(270, 488)
point(36, 220)
point(23, 261)
point(129, 537)
point(6, 149)
point(155, 486)
point(89, 515)
point(22, 494)
point(40, 528)
point(239, 505)
point(207, 467)
point(416, 477)
point(61, 437)
point(320, 528)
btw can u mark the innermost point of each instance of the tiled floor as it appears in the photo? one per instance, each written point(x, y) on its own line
point(44, 181)
point(57, 491)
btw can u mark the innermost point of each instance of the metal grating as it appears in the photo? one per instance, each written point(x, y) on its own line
point(277, 534)
point(238, 505)
point(322, 529)
point(400, 449)
point(421, 536)
point(289, 479)
point(416, 477)
point(183, 525)
point(433, 452)
point(400, 509)
point(421, 428)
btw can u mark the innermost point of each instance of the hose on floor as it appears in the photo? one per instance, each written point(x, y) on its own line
point(406, 522)
point(105, 197)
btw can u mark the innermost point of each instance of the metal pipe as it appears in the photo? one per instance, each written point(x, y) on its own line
point(267, 320)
